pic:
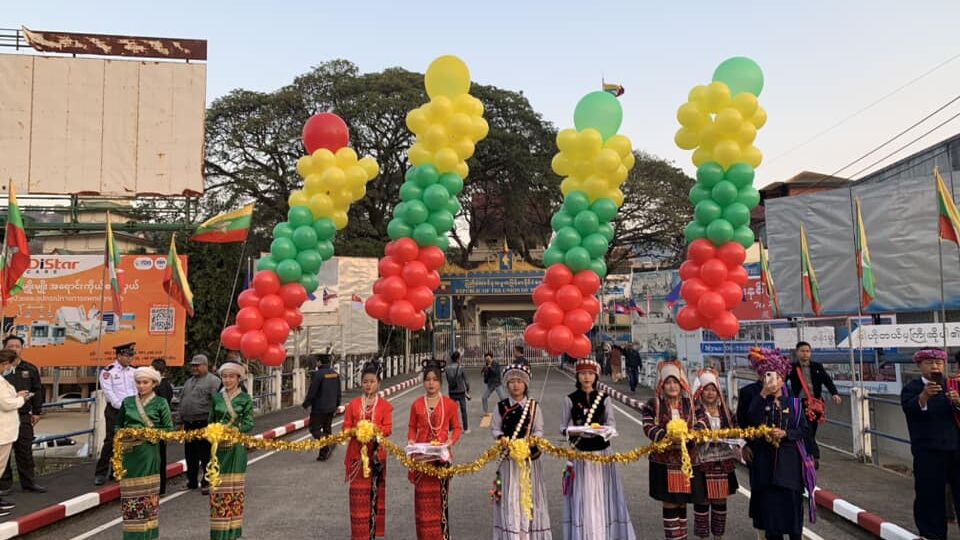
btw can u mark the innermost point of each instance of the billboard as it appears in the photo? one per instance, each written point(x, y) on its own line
point(66, 317)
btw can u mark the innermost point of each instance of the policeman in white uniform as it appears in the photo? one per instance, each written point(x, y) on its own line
point(117, 383)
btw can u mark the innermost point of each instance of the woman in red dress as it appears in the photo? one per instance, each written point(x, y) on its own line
point(433, 418)
point(368, 494)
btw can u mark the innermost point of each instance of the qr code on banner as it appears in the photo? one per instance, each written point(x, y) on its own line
point(161, 320)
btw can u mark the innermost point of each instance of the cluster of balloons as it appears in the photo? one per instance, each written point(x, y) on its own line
point(720, 120)
point(270, 306)
point(592, 165)
point(409, 275)
point(722, 202)
point(582, 234)
point(428, 208)
point(566, 309)
point(713, 281)
point(449, 127)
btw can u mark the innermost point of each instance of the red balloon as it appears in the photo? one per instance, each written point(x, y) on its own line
point(557, 276)
point(544, 293)
point(394, 288)
point(726, 326)
point(248, 298)
point(732, 254)
point(738, 275)
point(405, 249)
point(293, 295)
point(433, 281)
point(294, 317)
point(230, 337)
point(549, 315)
point(688, 319)
point(277, 330)
point(581, 347)
point(249, 318)
point(274, 356)
point(713, 272)
point(591, 305)
point(415, 273)
point(689, 270)
point(432, 256)
point(701, 251)
point(377, 306)
point(420, 297)
point(253, 344)
point(552, 352)
point(587, 282)
point(569, 297)
point(578, 320)
point(418, 321)
point(390, 267)
point(266, 282)
point(378, 286)
point(560, 337)
point(272, 306)
point(536, 335)
point(325, 130)
point(692, 290)
point(731, 292)
point(711, 305)
point(401, 313)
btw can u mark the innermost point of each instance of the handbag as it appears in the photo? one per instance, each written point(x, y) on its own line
point(816, 408)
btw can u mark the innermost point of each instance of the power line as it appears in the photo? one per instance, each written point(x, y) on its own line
point(891, 154)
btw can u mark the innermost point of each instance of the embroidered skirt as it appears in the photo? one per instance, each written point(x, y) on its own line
point(227, 499)
point(140, 493)
point(361, 502)
point(430, 507)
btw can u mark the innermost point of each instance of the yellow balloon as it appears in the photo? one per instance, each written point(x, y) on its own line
point(567, 140)
point(333, 178)
point(346, 157)
point(359, 193)
point(747, 134)
point(689, 115)
point(321, 205)
point(606, 161)
point(620, 144)
point(419, 155)
point(746, 103)
point(447, 76)
point(417, 120)
point(370, 167)
point(583, 168)
point(342, 198)
point(710, 136)
point(356, 177)
point(323, 159)
point(596, 187)
point(304, 166)
point(339, 219)
point(462, 170)
point(436, 137)
point(686, 138)
point(589, 142)
point(313, 184)
point(446, 159)
point(759, 118)
point(298, 198)
point(620, 175)
point(728, 120)
point(702, 155)
point(464, 148)
point(629, 161)
point(460, 125)
point(480, 128)
point(726, 153)
point(717, 97)
point(440, 109)
point(466, 104)
point(752, 155)
point(566, 186)
point(697, 94)
point(617, 197)
point(561, 165)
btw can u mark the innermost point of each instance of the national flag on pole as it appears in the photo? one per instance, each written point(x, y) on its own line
point(864, 267)
point(634, 307)
point(356, 301)
point(810, 286)
point(15, 255)
point(768, 282)
point(612, 88)
point(619, 309)
point(111, 259)
point(673, 297)
point(175, 280)
point(225, 228)
point(949, 216)
point(328, 296)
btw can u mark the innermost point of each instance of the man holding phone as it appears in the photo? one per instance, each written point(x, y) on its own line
point(25, 377)
point(934, 441)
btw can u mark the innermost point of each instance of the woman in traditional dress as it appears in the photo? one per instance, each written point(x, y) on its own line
point(593, 506)
point(519, 417)
point(232, 407)
point(368, 494)
point(433, 419)
point(140, 487)
point(715, 473)
point(668, 483)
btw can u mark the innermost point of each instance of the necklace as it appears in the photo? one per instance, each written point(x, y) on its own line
point(434, 431)
point(372, 407)
point(523, 418)
point(593, 409)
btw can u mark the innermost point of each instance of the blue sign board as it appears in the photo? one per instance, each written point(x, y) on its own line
point(734, 347)
point(514, 283)
point(443, 308)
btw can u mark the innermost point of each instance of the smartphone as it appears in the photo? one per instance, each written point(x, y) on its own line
point(937, 377)
point(768, 378)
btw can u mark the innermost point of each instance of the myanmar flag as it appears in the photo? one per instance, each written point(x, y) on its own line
point(225, 228)
point(949, 217)
point(811, 289)
point(864, 267)
point(111, 259)
point(15, 255)
point(768, 282)
point(175, 280)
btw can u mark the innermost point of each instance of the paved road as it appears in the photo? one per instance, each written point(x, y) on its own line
point(291, 496)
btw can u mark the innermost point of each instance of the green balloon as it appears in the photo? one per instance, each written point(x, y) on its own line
point(426, 175)
point(425, 234)
point(577, 259)
point(415, 212)
point(694, 231)
point(737, 214)
point(599, 267)
point(298, 216)
point(749, 196)
point(398, 229)
point(266, 264)
point(436, 197)
point(606, 230)
point(707, 211)
point(441, 220)
point(410, 191)
point(561, 220)
point(282, 230)
point(399, 209)
point(442, 242)
point(304, 237)
point(452, 182)
point(719, 231)
point(741, 174)
point(596, 245)
point(325, 249)
point(283, 249)
point(698, 193)
point(598, 110)
point(309, 282)
point(567, 238)
point(289, 271)
point(586, 222)
point(552, 256)
point(575, 203)
point(605, 209)
point(325, 229)
point(453, 206)
point(411, 174)
point(743, 236)
point(310, 261)
point(724, 193)
point(740, 74)
point(709, 174)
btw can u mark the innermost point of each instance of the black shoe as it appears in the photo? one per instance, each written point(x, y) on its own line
point(99, 480)
point(816, 464)
point(35, 488)
point(4, 513)
point(7, 505)
point(5, 492)
point(205, 490)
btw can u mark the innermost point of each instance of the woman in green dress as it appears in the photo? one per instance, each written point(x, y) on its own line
point(231, 407)
point(140, 487)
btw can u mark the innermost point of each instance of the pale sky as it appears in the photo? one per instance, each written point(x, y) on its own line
point(823, 60)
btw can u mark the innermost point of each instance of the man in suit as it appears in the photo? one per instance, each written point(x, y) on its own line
point(323, 400)
point(816, 378)
point(934, 441)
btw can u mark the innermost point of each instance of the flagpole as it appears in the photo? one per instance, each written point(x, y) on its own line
point(166, 335)
point(802, 288)
point(103, 290)
point(233, 290)
point(950, 161)
point(943, 303)
point(858, 256)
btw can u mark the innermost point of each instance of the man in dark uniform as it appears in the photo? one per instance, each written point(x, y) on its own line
point(518, 358)
point(25, 376)
point(633, 367)
point(117, 383)
point(323, 400)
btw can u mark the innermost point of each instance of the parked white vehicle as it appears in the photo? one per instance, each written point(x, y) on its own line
point(69, 396)
point(64, 447)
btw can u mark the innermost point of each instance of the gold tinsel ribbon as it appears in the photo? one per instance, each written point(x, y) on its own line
point(520, 453)
point(366, 432)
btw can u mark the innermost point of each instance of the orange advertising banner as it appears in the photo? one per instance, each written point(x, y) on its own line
point(58, 314)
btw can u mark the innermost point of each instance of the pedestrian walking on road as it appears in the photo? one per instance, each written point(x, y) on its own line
point(459, 387)
point(492, 380)
point(323, 400)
